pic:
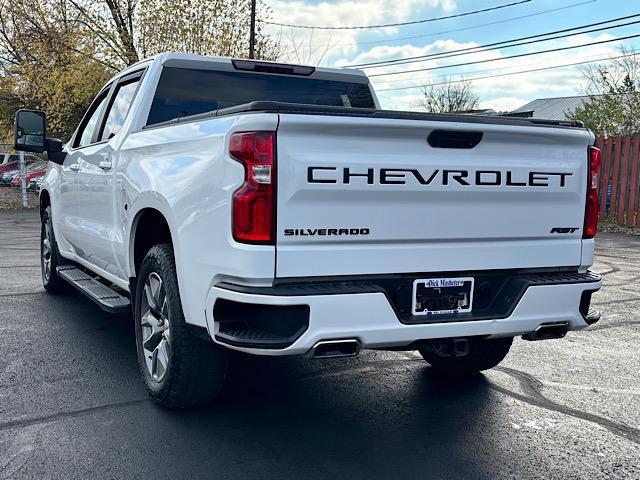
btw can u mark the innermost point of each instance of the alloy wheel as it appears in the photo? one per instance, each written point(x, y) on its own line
point(156, 333)
point(47, 241)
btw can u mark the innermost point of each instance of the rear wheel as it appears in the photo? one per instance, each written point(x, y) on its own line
point(179, 369)
point(481, 354)
point(49, 256)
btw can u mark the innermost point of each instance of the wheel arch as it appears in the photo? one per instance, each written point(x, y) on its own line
point(150, 226)
point(45, 201)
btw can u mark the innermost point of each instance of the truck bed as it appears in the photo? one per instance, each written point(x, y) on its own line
point(303, 109)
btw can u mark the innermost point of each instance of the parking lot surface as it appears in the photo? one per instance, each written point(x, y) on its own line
point(72, 404)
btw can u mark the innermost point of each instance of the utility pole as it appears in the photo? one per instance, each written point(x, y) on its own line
point(252, 31)
point(23, 181)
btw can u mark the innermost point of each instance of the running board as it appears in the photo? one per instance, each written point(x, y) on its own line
point(107, 299)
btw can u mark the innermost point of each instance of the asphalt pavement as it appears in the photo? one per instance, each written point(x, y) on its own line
point(72, 404)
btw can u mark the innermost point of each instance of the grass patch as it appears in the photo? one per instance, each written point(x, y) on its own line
point(614, 227)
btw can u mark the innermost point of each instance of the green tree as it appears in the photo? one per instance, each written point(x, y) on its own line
point(56, 54)
point(46, 62)
point(613, 104)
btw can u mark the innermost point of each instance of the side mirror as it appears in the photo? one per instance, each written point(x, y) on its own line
point(54, 150)
point(30, 131)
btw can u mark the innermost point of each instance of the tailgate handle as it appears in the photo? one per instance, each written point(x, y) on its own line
point(454, 139)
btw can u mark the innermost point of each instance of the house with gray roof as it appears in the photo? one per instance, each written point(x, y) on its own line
point(549, 108)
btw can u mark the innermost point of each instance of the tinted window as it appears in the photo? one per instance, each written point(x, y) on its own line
point(90, 122)
point(119, 109)
point(182, 92)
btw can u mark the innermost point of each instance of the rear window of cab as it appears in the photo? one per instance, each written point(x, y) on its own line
point(182, 92)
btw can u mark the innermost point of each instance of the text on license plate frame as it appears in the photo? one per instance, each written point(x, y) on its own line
point(457, 284)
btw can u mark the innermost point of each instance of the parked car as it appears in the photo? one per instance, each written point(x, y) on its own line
point(36, 169)
point(13, 162)
point(276, 210)
point(35, 183)
point(7, 177)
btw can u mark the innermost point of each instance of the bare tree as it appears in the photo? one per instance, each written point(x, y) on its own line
point(447, 98)
point(111, 23)
point(206, 27)
point(304, 52)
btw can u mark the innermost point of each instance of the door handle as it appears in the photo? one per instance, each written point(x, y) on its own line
point(105, 165)
point(74, 167)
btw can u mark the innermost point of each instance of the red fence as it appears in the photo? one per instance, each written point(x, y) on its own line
point(619, 180)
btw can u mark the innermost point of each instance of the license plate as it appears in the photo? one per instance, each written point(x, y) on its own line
point(437, 296)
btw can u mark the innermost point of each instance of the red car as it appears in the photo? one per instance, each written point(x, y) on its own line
point(12, 162)
point(33, 171)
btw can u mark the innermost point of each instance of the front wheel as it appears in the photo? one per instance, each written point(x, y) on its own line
point(49, 256)
point(179, 369)
point(480, 354)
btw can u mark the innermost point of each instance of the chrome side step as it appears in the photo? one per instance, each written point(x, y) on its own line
point(107, 299)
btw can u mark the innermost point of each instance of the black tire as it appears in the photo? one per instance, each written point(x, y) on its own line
point(49, 256)
point(195, 368)
point(483, 355)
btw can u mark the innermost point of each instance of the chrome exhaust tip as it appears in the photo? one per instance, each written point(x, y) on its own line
point(548, 331)
point(335, 348)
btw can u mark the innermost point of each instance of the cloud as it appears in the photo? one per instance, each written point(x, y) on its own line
point(327, 48)
point(499, 93)
point(319, 46)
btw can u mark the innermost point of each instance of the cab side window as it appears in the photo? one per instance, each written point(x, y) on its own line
point(122, 98)
point(91, 121)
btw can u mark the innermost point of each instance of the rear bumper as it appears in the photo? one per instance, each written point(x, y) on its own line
point(359, 310)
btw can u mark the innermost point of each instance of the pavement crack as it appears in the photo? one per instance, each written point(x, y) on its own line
point(617, 257)
point(605, 326)
point(532, 394)
point(68, 414)
point(20, 294)
point(21, 266)
point(612, 302)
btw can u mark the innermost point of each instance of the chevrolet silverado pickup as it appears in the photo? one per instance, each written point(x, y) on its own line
point(275, 209)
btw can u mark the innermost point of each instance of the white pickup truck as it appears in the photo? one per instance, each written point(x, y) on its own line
point(276, 210)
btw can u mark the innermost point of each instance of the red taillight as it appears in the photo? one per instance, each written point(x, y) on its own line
point(592, 207)
point(254, 208)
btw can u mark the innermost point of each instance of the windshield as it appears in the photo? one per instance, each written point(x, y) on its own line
point(182, 92)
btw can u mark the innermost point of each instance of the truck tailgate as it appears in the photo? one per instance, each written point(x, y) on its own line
point(359, 196)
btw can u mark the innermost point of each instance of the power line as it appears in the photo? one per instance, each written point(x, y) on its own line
point(501, 44)
point(493, 70)
point(399, 24)
point(455, 30)
point(506, 58)
point(408, 87)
